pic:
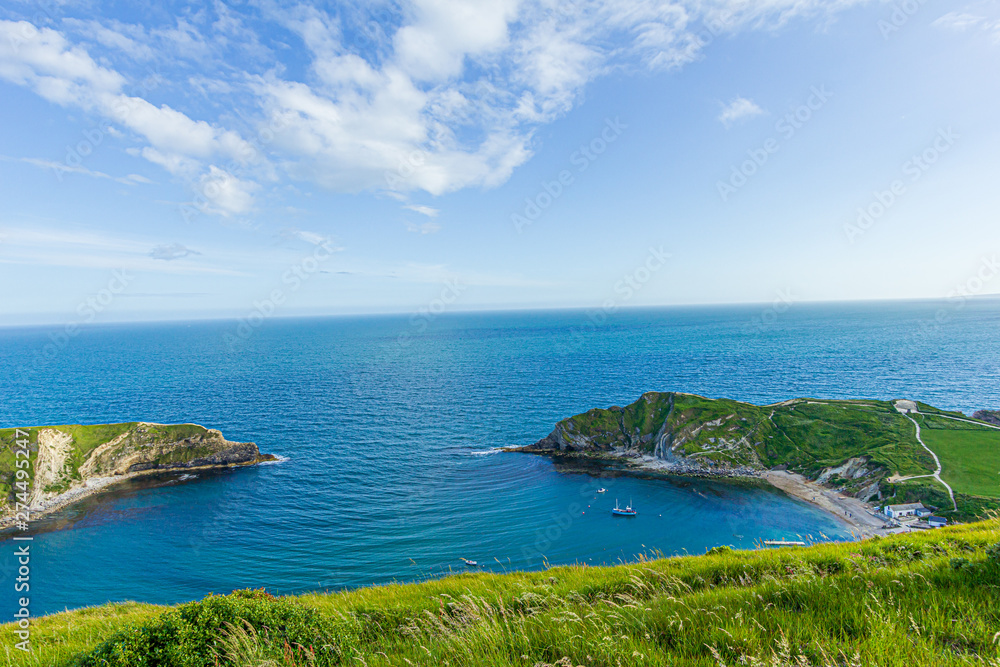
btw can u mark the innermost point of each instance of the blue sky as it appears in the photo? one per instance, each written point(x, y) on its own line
point(215, 159)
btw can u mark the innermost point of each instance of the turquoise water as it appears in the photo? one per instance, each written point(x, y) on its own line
point(390, 430)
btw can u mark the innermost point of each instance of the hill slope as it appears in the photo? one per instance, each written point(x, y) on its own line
point(924, 598)
point(855, 445)
point(65, 461)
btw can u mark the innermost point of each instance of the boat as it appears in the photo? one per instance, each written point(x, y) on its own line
point(624, 511)
point(470, 563)
point(784, 543)
point(601, 490)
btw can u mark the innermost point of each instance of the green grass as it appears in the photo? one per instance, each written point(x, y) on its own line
point(85, 439)
point(807, 435)
point(919, 599)
point(970, 455)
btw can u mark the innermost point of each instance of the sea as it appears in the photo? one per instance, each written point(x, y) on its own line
point(389, 429)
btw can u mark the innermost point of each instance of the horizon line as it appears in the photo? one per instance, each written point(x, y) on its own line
point(69, 320)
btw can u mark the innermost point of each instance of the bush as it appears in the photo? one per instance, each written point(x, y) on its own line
point(193, 634)
point(960, 564)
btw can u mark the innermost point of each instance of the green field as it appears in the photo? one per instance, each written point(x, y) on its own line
point(970, 455)
point(925, 598)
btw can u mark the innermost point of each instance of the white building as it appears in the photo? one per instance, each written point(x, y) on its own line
point(937, 521)
point(909, 509)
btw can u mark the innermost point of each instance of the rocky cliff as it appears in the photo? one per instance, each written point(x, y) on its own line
point(988, 416)
point(66, 460)
point(852, 444)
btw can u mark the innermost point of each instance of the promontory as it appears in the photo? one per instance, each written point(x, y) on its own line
point(44, 468)
point(899, 451)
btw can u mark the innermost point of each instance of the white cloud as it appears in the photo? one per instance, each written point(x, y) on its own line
point(83, 248)
point(424, 228)
point(958, 21)
point(739, 109)
point(445, 95)
point(61, 168)
point(423, 210)
point(110, 37)
point(170, 252)
point(42, 59)
point(964, 21)
point(225, 193)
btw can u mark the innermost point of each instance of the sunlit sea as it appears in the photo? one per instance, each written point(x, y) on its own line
point(388, 429)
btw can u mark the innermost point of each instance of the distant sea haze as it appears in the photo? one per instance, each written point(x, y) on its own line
point(386, 428)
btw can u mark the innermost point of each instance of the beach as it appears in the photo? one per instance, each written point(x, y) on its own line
point(858, 515)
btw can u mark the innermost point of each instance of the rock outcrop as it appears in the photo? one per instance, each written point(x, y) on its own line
point(845, 443)
point(989, 416)
point(72, 461)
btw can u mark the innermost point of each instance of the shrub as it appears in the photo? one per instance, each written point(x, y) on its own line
point(193, 634)
point(960, 564)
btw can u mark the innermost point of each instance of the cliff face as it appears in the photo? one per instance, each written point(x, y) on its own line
point(63, 459)
point(854, 444)
point(989, 416)
point(681, 429)
point(136, 451)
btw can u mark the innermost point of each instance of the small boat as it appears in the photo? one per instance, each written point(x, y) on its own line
point(624, 511)
point(601, 490)
point(784, 543)
point(470, 563)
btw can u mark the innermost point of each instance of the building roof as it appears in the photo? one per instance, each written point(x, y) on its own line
point(937, 519)
point(907, 506)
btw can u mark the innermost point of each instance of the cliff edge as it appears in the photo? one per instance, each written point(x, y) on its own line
point(64, 463)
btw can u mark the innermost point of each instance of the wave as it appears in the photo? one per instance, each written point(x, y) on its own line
point(487, 452)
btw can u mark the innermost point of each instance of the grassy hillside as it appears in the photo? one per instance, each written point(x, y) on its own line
point(70, 451)
point(970, 454)
point(919, 599)
point(854, 445)
point(806, 435)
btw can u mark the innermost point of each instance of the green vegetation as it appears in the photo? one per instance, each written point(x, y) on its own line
point(970, 454)
point(855, 445)
point(806, 435)
point(925, 598)
point(74, 446)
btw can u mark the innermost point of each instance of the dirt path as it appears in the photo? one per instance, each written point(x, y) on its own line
point(967, 421)
point(862, 519)
point(937, 473)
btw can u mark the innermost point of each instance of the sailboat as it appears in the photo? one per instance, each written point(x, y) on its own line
point(624, 511)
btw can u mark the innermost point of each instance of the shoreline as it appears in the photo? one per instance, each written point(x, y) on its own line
point(97, 485)
point(851, 512)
